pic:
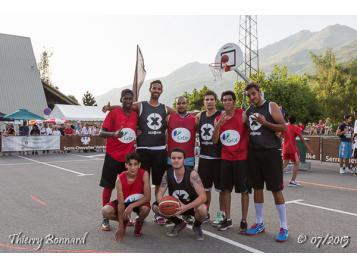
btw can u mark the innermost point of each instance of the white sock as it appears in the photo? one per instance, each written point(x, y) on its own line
point(259, 212)
point(282, 216)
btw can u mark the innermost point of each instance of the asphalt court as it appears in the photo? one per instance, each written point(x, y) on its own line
point(58, 195)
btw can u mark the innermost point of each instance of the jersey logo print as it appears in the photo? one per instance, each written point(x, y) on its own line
point(254, 125)
point(181, 195)
point(207, 132)
point(154, 121)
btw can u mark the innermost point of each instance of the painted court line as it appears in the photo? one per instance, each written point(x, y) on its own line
point(299, 202)
point(38, 200)
point(56, 161)
point(46, 164)
point(329, 186)
point(231, 242)
point(88, 156)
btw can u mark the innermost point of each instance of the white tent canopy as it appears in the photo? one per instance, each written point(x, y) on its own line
point(78, 113)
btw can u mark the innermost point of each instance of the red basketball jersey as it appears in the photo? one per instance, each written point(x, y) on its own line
point(233, 135)
point(137, 187)
point(115, 120)
point(182, 134)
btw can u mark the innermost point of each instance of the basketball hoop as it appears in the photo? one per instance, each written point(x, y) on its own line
point(217, 70)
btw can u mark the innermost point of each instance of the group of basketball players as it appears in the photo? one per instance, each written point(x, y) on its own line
point(238, 149)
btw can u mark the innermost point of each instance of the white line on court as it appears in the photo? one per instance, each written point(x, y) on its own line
point(88, 156)
point(231, 242)
point(299, 202)
point(56, 161)
point(46, 164)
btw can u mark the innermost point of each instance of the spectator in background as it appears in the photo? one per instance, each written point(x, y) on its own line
point(9, 130)
point(86, 131)
point(56, 131)
point(62, 128)
point(46, 131)
point(35, 131)
point(345, 131)
point(69, 131)
point(24, 129)
point(320, 128)
point(328, 126)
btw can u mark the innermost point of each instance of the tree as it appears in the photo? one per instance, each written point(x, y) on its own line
point(44, 66)
point(88, 99)
point(72, 97)
point(289, 90)
point(334, 85)
point(195, 99)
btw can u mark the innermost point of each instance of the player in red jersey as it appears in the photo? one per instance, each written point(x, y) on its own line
point(133, 195)
point(119, 127)
point(231, 130)
point(290, 149)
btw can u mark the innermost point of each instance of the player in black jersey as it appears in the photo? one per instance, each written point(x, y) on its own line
point(184, 184)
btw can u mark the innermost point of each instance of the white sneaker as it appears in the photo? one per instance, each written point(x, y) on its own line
point(342, 171)
point(349, 170)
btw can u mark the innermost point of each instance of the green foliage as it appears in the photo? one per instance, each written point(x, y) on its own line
point(44, 66)
point(195, 99)
point(72, 97)
point(335, 85)
point(88, 99)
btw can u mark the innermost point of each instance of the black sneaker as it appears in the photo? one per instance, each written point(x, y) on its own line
point(105, 225)
point(243, 227)
point(176, 229)
point(198, 232)
point(188, 219)
point(225, 225)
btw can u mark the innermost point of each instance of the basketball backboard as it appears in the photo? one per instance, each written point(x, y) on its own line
point(234, 53)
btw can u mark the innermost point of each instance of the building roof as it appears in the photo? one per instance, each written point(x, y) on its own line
point(78, 113)
point(20, 82)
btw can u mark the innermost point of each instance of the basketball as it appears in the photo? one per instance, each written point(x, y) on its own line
point(224, 58)
point(168, 206)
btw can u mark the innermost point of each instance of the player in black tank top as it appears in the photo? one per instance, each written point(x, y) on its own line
point(184, 184)
point(264, 159)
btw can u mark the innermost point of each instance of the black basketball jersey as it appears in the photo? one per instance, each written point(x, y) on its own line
point(183, 191)
point(205, 130)
point(261, 137)
point(152, 123)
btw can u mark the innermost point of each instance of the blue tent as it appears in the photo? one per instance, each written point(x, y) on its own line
point(23, 114)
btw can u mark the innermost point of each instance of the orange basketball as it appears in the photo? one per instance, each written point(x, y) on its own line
point(224, 58)
point(168, 206)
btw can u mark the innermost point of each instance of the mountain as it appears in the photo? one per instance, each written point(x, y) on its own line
point(293, 51)
point(186, 78)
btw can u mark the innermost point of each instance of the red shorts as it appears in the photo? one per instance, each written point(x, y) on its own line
point(114, 204)
point(292, 157)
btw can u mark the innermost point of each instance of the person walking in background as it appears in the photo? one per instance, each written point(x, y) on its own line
point(344, 131)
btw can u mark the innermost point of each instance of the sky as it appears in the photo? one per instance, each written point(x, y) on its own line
point(97, 52)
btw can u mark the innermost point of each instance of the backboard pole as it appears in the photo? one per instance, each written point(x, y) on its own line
point(242, 75)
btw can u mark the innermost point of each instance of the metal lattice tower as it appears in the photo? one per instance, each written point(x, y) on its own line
point(248, 40)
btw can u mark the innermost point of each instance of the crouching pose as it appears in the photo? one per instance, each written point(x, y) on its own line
point(133, 194)
point(184, 184)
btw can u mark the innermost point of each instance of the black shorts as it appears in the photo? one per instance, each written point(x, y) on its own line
point(234, 173)
point(110, 172)
point(266, 166)
point(154, 161)
point(114, 204)
point(210, 172)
